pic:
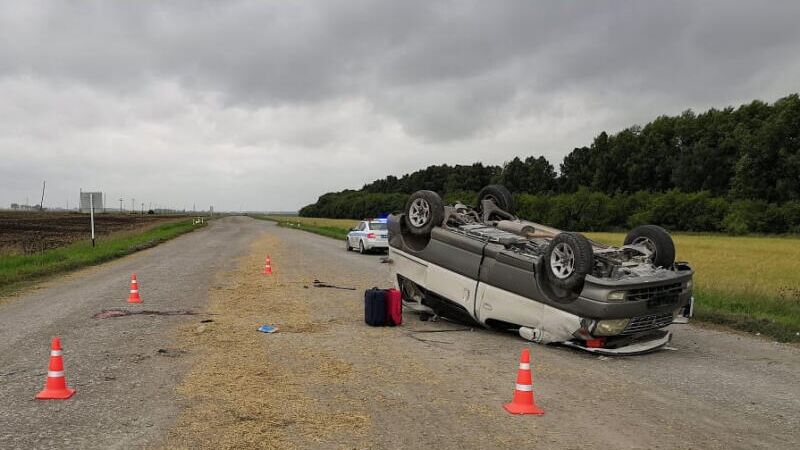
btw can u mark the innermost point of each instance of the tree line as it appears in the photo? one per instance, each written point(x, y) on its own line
point(734, 170)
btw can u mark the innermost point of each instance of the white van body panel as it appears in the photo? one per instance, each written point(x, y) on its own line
point(484, 302)
point(553, 324)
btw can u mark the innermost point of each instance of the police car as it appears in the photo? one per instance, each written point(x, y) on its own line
point(370, 234)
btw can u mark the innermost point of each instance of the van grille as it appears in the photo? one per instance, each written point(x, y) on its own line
point(657, 296)
point(650, 322)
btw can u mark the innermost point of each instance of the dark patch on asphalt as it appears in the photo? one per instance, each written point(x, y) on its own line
point(109, 313)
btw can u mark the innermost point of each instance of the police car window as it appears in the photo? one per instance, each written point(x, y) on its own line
point(361, 226)
point(377, 226)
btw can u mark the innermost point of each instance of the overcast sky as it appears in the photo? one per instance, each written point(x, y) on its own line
point(266, 105)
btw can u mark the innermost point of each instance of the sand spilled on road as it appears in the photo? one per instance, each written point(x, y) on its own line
point(251, 390)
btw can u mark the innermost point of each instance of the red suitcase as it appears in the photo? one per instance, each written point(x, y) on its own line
point(394, 307)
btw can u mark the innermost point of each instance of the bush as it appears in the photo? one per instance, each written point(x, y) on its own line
point(354, 205)
point(533, 207)
point(735, 223)
point(792, 212)
point(469, 198)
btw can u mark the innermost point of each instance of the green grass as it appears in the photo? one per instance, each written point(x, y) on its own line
point(17, 270)
point(773, 317)
point(332, 228)
point(750, 283)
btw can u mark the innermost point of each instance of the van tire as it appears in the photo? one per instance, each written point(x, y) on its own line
point(500, 195)
point(568, 259)
point(423, 211)
point(657, 240)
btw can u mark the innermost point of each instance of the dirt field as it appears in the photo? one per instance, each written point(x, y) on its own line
point(30, 232)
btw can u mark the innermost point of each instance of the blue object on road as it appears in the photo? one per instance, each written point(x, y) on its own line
point(267, 329)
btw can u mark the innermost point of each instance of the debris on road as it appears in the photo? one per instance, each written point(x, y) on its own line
point(170, 352)
point(445, 330)
point(432, 341)
point(321, 284)
point(267, 329)
point(413, 332)
point(109, 313)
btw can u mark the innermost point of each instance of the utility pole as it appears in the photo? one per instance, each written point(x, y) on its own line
point(91, 214)
point(41, 204)
point(133, 205)
point(120, 205)
point(142, 208)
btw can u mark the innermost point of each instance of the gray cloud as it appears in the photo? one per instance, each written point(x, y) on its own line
point(265, 105)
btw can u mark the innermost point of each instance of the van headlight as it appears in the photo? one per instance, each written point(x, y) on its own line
point(610, 327)
point(689, 286)
point(616, 296)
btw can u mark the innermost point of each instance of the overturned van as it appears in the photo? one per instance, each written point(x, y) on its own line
point(485, 266)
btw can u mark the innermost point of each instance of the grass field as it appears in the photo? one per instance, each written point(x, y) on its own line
point(18, 269)
point(750, 283)
point(332, 228)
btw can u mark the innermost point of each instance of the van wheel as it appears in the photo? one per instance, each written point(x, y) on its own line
point(568, 259)
point(657, 241)
point(423, 211)
point(500, 195)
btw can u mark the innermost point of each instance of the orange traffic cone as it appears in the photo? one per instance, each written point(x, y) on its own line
point(523, 402)
point(134, 297)
point(268, 266)
point(55, 388)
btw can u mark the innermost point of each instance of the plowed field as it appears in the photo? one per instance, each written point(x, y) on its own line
point(31, 232)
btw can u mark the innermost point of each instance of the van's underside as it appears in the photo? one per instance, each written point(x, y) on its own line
point(484, 281)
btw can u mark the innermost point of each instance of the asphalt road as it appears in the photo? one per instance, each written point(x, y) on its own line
point(413, 389)
point(125, 368)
